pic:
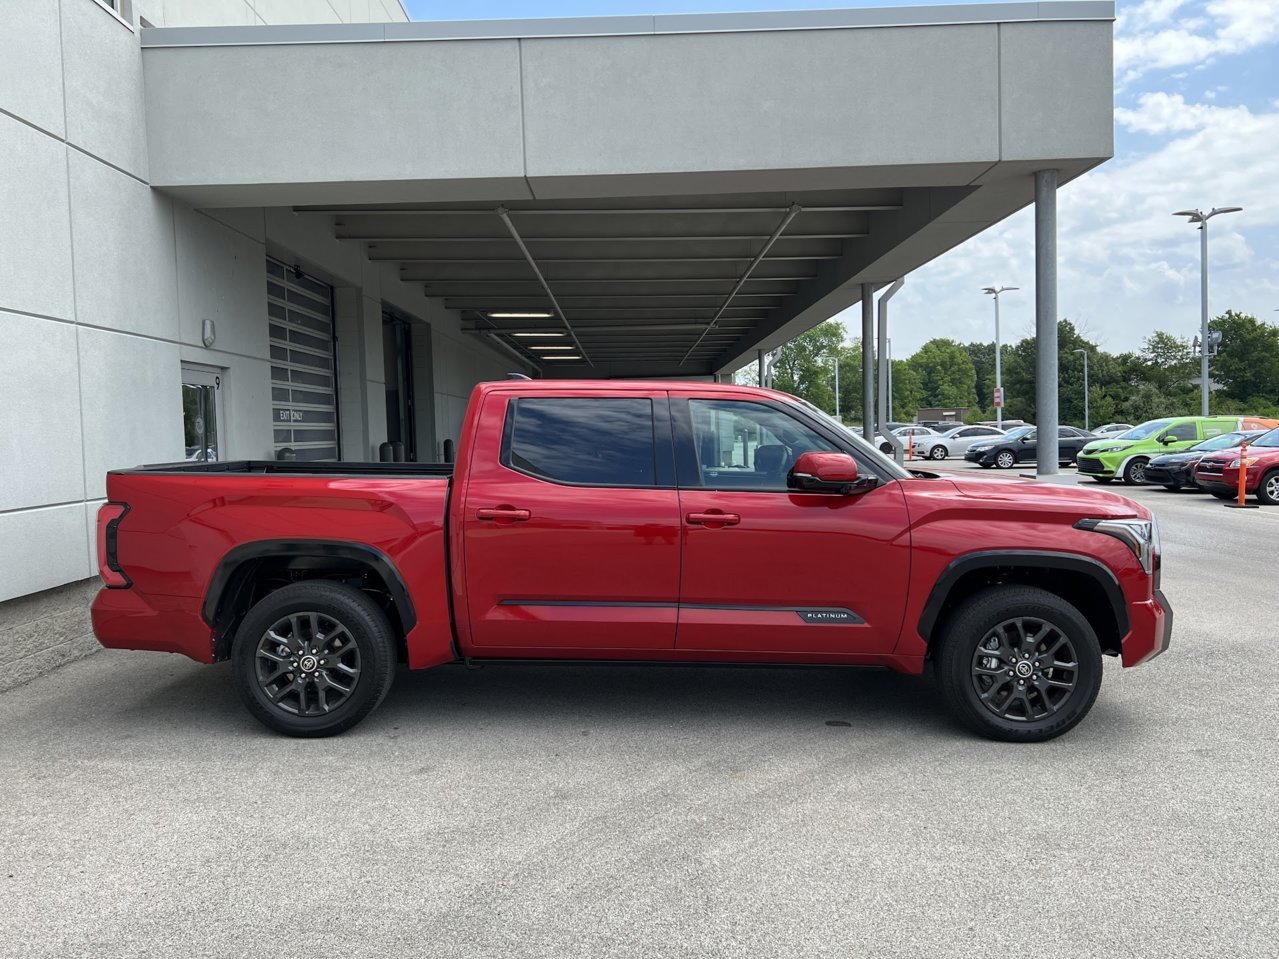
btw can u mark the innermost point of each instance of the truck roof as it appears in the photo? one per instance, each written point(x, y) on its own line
point(623, 386)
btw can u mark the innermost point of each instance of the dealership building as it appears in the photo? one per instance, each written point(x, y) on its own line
point(260, 229)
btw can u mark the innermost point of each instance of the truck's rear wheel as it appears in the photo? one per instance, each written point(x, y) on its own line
point(1018, 664)
point(314, 658)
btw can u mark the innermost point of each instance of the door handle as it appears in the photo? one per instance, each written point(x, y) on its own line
point(713, 517)
point(508, 514)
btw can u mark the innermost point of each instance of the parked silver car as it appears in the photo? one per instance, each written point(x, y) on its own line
point(906, 434)
point(953, 442)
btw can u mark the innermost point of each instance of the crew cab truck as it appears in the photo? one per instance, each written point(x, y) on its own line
point(630, 521)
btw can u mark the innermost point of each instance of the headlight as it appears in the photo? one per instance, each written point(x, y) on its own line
point(1251, 461)
point(1139, 535)
point(978, 449)
point(1107, 449)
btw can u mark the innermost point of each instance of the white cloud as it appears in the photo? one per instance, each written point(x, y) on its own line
point(1148, 39)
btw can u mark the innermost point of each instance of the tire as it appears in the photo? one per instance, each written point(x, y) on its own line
point(1135, 471)
point(356, 661)
point(886, 448)
point(1268, 489)
point(1058, 697)
point(1005, 460)
point(937, 453)
point(1103, 479)
point(1222, 495)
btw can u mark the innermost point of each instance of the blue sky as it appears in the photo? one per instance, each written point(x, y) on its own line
point(1196, 125)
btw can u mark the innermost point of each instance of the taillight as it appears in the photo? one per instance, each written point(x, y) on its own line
point(109, 516)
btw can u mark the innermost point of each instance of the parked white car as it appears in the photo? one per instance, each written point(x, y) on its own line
point(906, 434)
point(1111, 429)
point(954, 442)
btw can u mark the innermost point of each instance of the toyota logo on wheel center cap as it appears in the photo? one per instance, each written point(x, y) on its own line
point(1024, 669)
point(310, 662)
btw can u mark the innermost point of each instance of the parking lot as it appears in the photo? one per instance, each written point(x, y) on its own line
point(595, 811)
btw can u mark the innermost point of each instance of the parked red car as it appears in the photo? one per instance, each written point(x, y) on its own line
point(1218, 473)
point(630, 521)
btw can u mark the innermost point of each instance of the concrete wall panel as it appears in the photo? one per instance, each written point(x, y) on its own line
point(346, 111)
point(221, 277)
point(102, 67)
point(794, 99)
point(122, 237)
point(1057, 90)
point(44, 548)
point(39, 413)
point(31, 63)
point(35, 226)
point(132, 408)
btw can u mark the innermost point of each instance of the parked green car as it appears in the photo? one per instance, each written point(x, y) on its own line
point(1126, 455)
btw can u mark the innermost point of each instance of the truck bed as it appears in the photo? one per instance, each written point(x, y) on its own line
point(297, 467)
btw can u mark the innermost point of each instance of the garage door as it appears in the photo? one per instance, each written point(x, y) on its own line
point(303, 378)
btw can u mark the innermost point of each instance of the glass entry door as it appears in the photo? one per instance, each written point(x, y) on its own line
point(202, 420)
point(397, 361)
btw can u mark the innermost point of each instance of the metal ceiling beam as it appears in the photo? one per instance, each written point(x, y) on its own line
point(590, 211)
point(790, 215)
point(515, 235)
point(609, 281)
point(615, 296)
point(633, 238)
point(600, 259)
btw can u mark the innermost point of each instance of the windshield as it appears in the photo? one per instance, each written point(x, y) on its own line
point(1144, 431)
point(1226, 441)
point(888, 465)
point(1014, 434)
point(1270, 439)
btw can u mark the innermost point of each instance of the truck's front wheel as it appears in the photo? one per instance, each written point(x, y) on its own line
point(1019, 664)
point(313, 658)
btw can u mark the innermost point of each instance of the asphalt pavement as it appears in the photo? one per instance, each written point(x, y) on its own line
point(575, 811)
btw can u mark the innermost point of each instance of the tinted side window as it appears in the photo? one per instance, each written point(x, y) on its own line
point(584, 441)
point(1183, 431)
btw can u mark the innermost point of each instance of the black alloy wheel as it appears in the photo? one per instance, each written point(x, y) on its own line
point(1005, 459)
point(314, 658)
point(1019, 664)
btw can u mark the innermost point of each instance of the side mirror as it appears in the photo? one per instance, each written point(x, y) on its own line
point(1167, 438)
point(1025, 439)
point(824, 473)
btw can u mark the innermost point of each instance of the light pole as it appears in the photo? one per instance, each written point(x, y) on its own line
point(999, 380)
point(1085, 352)
point(1202, 218)
point(890, 377)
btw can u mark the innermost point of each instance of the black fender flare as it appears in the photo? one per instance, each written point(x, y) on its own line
point(228, 579)
point(1094, 569)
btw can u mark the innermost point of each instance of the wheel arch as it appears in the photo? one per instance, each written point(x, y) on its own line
point(1082, 581)
point(237, 581)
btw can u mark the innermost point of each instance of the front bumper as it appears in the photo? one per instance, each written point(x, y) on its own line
point(1092, 466)
point(1178, 474)
point(1150, 630)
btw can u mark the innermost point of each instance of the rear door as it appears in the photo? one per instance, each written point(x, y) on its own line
point(571, 523)
point(768, 569)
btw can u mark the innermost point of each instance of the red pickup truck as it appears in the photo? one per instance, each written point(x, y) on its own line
point(630, 521)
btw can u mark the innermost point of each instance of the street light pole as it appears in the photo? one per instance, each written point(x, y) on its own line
point(1198, 216)
point(999, 380)
point(1085, 352)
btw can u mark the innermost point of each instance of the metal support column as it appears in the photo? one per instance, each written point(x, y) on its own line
point(1046, 316)
point(759, 365)
point(882, 363)
point(868, 366)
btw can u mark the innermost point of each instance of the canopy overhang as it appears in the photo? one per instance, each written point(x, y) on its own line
point(675, 192)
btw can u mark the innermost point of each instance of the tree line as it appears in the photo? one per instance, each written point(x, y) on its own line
point(1160, 379)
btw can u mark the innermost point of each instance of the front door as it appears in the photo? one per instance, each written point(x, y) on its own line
point(571, 524)
point(768, 569)
point(203, 425)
